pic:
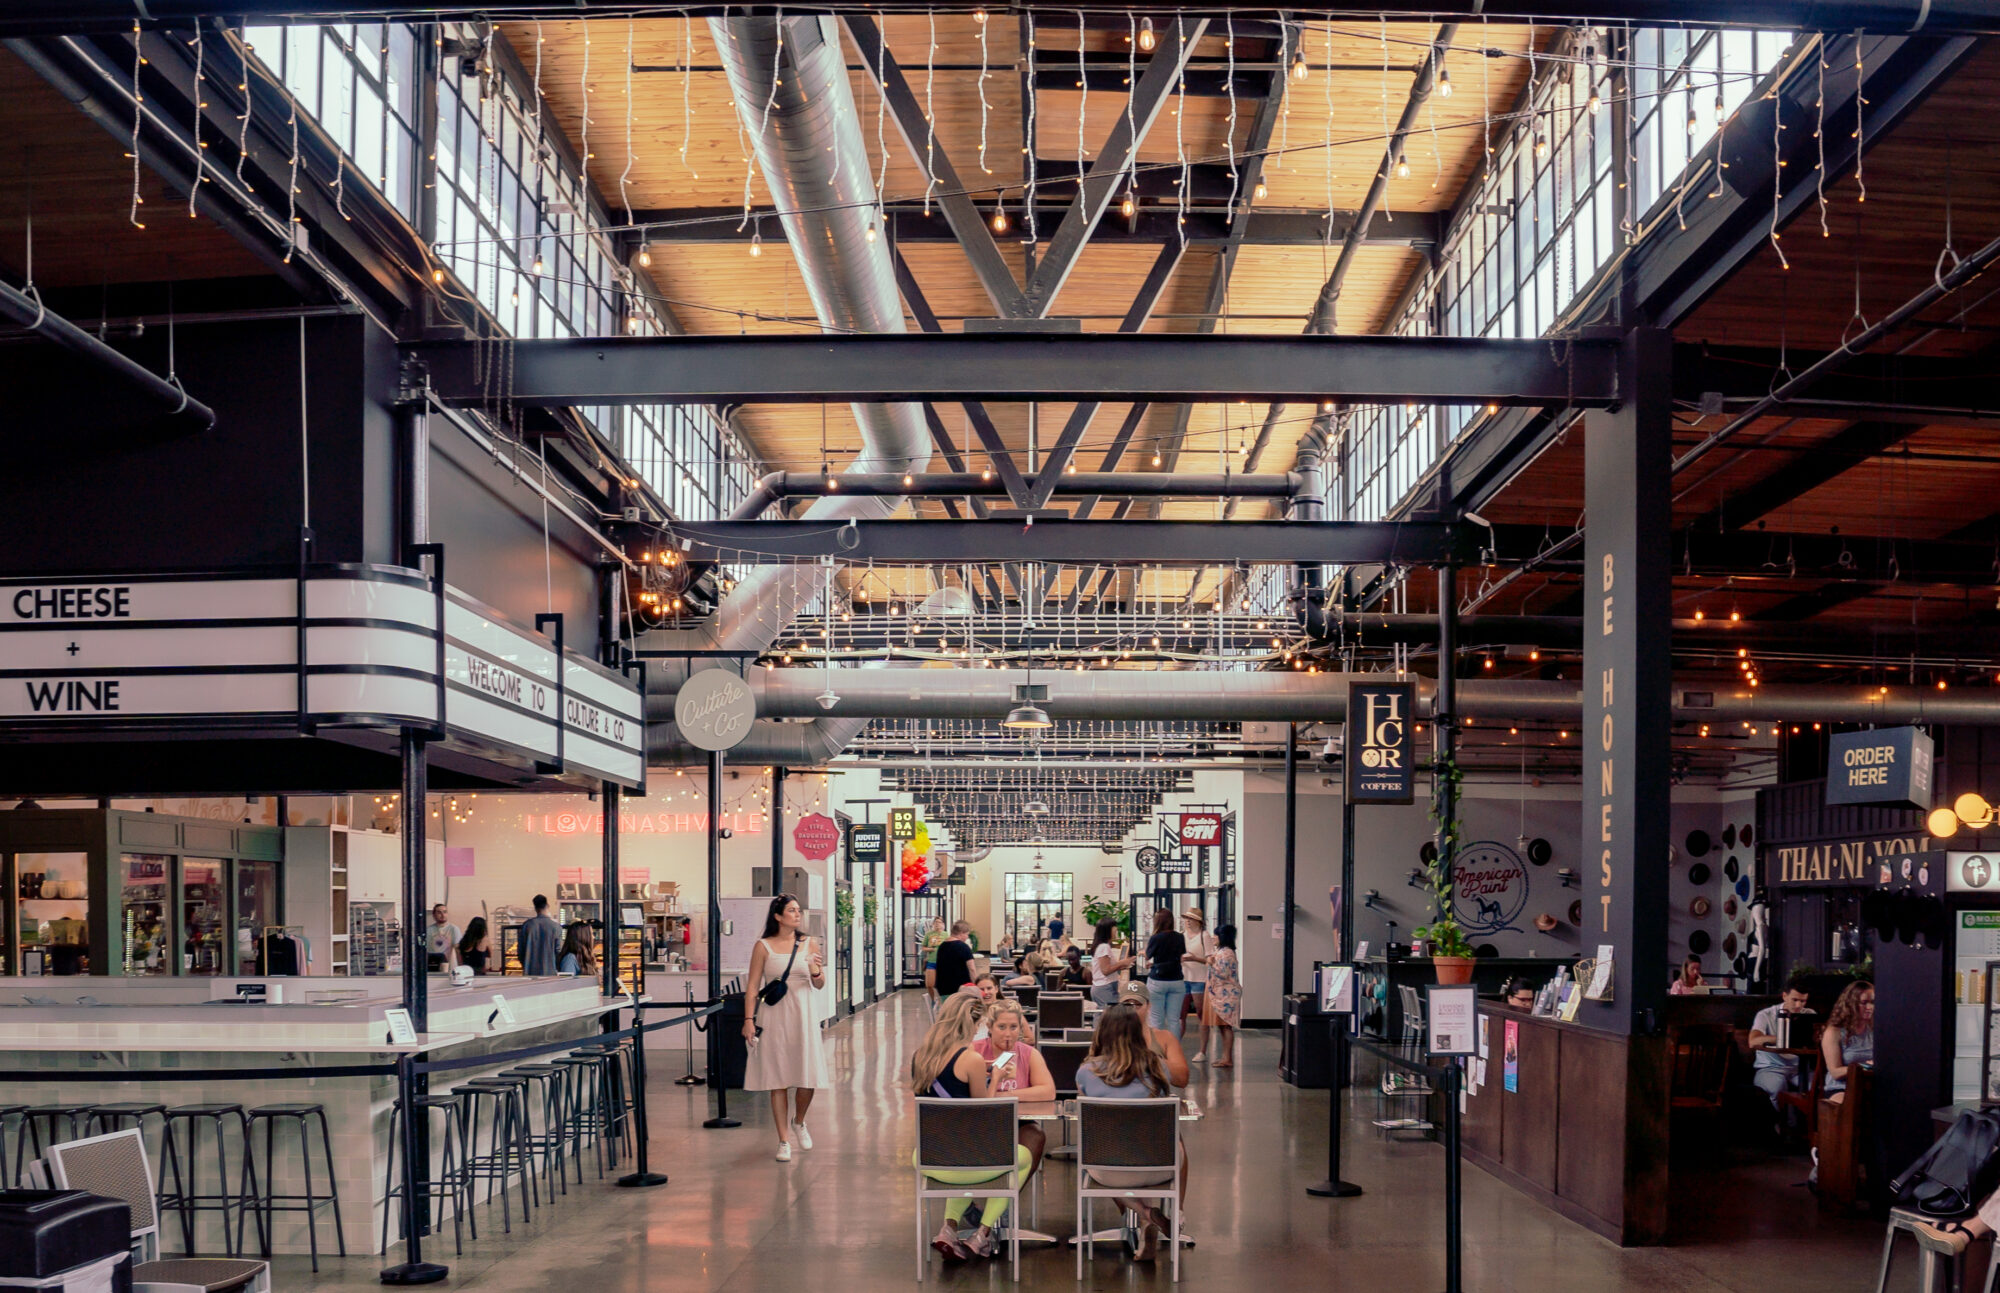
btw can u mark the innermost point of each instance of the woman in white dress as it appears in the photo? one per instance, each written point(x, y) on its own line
point(787, 1054)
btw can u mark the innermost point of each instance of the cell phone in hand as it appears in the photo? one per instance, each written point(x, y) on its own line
point(1002, 1060)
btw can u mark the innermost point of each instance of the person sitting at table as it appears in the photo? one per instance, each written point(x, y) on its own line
point(1688, 979)
point(946, 1066)
point(1075, 974)
point(1123, 1065)
point(1025, 1075)
point(1136, 996)
point(1024, 973)
point(981, 986)
point(1772, 1073)
point(1519, 993)
point(1848, 1038)
point(1954, 1237)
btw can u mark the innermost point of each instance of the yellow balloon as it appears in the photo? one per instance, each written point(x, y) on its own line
point(922, 839)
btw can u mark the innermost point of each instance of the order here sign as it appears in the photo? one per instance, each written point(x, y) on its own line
point(1884, 766)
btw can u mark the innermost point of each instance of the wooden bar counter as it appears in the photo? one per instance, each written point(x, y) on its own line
point(1586, 1132)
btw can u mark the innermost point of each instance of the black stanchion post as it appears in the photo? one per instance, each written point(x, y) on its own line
point(1336, 1058)
point(1454, 1235)
point(644, 1176)
point(416, 999)
point(721, 1118)
point(690, 1078)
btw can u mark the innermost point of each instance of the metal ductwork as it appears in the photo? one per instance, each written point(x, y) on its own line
point(807, 135)
point(1302, 697)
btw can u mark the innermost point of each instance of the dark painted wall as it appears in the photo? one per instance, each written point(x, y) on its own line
point(490, 523)
point(95, 491)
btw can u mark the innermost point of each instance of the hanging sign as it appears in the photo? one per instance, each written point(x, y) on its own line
point(714, 710)
point(816, 836)
point(867, 843)
point(1885, 766)
point(1201, 830)
point(902, 823)
point(1179, 864)
point(1489, 888)
point(1380, 750)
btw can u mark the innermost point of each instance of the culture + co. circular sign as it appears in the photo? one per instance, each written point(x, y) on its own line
point(714, 710)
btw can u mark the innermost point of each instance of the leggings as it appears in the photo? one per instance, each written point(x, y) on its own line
point(990, 1210)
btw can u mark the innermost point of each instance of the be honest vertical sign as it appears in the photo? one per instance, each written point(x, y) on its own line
point(1627, 681)
point(1380, 748)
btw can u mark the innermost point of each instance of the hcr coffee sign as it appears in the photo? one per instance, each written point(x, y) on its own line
point(714, 710)
point(1380, 749)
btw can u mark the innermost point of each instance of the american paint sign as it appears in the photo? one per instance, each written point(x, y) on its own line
point(1885, 766)
point(1380, 748)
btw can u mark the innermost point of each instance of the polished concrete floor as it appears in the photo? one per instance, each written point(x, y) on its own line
point(839, 1216)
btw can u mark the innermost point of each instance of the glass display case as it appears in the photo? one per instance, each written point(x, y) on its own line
point(204, 901)
point(50, 915)
point(142, 912)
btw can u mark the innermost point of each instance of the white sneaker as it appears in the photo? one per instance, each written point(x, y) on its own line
point(784, 1151)
point(805, 1137)
point(1197, 1058)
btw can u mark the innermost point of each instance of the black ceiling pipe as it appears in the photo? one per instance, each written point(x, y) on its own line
point(36, 320)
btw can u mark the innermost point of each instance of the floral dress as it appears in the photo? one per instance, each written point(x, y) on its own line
point(1223, 1001)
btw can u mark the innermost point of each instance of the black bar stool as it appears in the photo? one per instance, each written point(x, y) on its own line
point(311, 1201)
point(502, 1105)
point(133, 1113)
point(450, 1182)
point(190, 1200)
point(548, 1088)
point(620, 1080)
point(9, 1176)
point(43, 1125)
point(595, 1111)
point(580, 1077)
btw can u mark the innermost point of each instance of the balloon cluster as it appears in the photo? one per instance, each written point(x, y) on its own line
point(916, 871)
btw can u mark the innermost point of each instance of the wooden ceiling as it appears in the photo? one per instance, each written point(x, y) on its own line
point(1327, 147)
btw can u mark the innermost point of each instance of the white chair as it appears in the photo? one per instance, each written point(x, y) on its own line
point(1127, 1136)
point(114, 1166)
point(968, 1136)
point(1413, 1014)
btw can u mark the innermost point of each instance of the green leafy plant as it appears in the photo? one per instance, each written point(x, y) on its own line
point(1863, 969)
point(871, 910)
point(843, 908)
point(1443, 934)
point(1103, 909)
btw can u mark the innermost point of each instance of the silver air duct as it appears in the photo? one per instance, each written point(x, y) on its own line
point(807, 136)
point(1306, 698)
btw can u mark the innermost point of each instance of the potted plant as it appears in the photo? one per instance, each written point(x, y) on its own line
point(1451, 951)
point(1118, 913)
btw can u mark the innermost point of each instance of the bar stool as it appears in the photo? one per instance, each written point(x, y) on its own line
point(581, 1120)
point(450, 1182)
point(596, 1115)
point(133, 1113)
point(60, 1122)
point(190, 1200)
point(548, 1086)
point(9, 1177)
point(1940, 1271)
point(622, 1077)
point(311, 1201)
point(502, 1104)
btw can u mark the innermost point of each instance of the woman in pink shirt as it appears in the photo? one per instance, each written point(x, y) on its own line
point(1018, 1069)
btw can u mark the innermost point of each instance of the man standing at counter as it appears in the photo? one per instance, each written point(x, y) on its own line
point(443, 941)
point(541, 939)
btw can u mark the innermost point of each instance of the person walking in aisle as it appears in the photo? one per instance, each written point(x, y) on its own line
point(1105, 964)
point(787, 1054)
point(541, 939)
point(1222, 1004)
point(1194, 966)
point(1164, 980)
point(953, 968)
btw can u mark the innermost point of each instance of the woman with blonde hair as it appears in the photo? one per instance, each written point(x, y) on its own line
point(1017, 1069)
point(946, 1066)
point(1123, 1065)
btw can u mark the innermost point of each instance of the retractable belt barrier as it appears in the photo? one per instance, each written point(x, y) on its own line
point(1447, 1077)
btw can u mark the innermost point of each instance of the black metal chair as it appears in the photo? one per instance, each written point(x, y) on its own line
point(1058, 1010)
point(190, 1201)
point(310, 1200)
point(450, 1184)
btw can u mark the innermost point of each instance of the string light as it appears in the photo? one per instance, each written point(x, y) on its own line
point(999, 215)
point(200, 160)
point(1148, 38)
point(138, 113)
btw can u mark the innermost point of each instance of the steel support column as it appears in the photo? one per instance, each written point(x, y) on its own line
point(608, 952)
point(721, 1118)
point(1444, 726)
point(1291, 849)
point(416, 999)
point(1628, 683)
point(778, 829)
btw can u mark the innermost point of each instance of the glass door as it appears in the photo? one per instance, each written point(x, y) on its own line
point(1034, 898)
point(143, 910)
point(256, 909)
